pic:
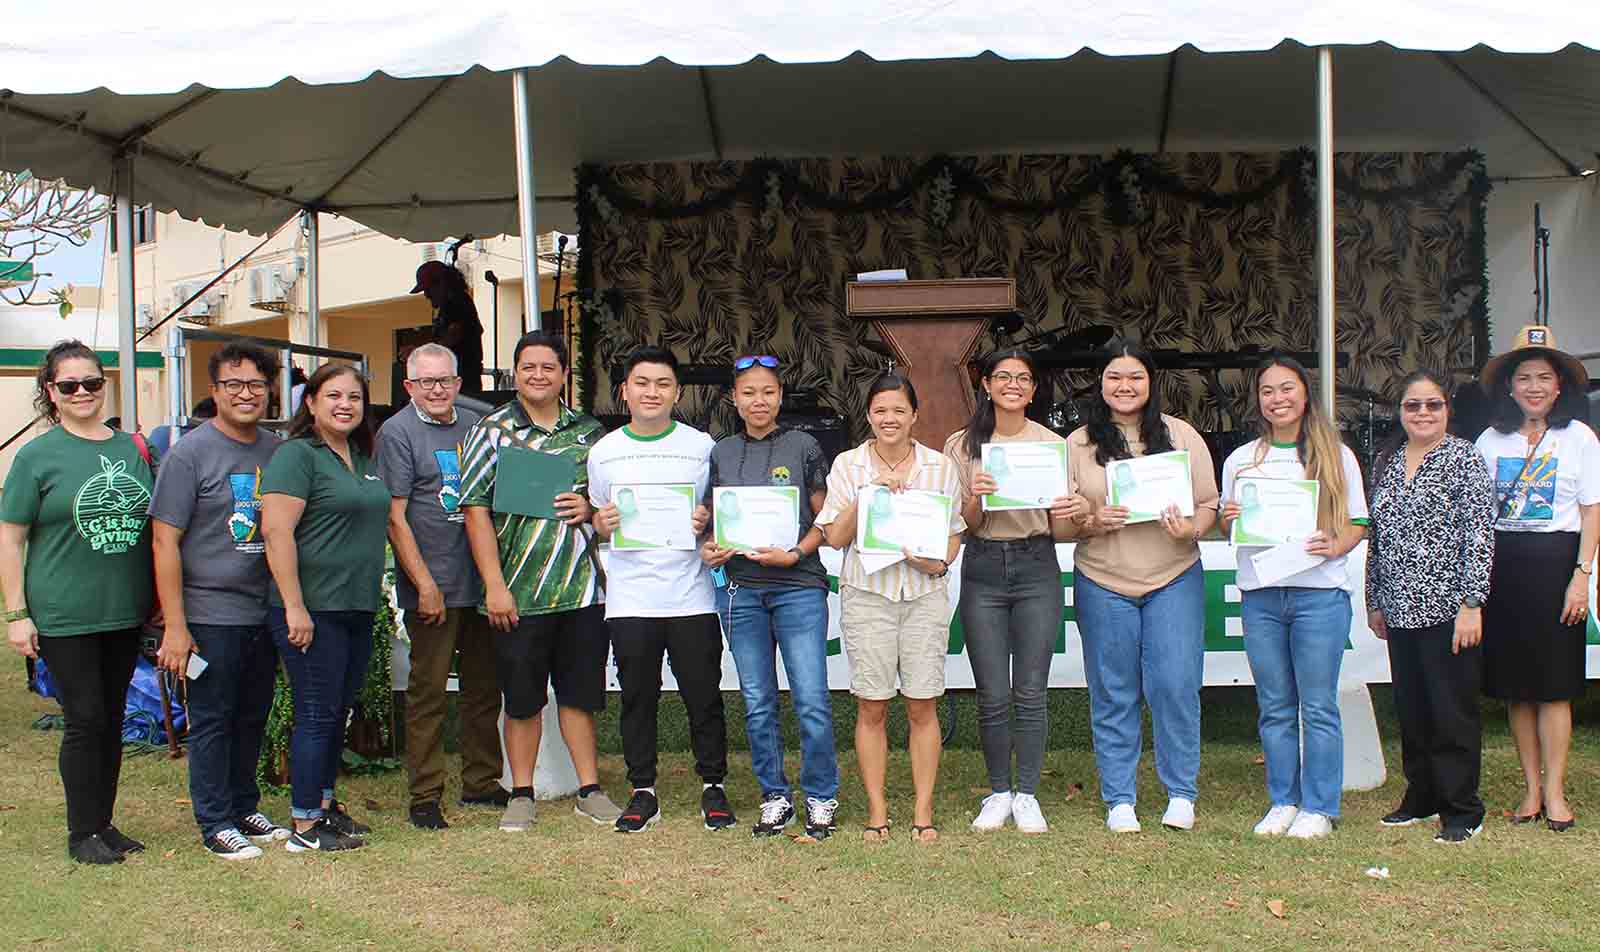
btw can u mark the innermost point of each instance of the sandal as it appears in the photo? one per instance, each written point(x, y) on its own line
point(875, 834)
point(919, 833)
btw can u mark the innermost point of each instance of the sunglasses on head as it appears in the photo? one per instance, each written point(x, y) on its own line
point(765, 360)
point(69, 387)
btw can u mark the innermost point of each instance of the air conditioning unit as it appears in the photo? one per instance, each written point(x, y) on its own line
point(433, 251)
point(143, 317)
point(268, 286)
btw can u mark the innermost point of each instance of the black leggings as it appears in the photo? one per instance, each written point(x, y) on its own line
point(91, 674)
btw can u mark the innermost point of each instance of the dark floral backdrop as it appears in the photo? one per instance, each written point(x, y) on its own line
point(1199, 252)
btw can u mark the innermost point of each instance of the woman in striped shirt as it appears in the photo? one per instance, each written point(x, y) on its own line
point(896, 608)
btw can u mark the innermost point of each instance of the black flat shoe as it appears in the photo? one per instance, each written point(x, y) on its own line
point(94, 851)
point(1561, 826)
point(1518, 819)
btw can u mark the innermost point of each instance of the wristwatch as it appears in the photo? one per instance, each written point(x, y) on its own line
point(943, 570)
point(1584, 567)
point(14, 615)
point(1472, 601)
point(798, 552)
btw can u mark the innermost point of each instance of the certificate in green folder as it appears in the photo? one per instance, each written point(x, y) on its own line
point(527, 482)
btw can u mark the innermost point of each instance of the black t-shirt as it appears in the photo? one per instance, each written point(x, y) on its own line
point(781, 458)
point(456, 326)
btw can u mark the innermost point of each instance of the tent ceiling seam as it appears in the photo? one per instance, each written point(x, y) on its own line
point(712, 126)
point(420, 202)
point(1493, 100)
point(361, 163)
point(1166, 101)
point(134, 136)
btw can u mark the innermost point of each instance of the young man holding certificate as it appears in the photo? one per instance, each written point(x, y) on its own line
point(659, 597)
point(543, 589)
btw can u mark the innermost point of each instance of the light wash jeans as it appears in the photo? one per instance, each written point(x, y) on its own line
point(1150, 648)
point(1295, 639)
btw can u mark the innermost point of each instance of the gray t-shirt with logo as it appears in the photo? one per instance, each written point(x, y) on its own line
point(209, 485)
point(420, 461)
point(781, 458)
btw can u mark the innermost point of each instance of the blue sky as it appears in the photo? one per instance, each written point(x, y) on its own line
point(77, 266)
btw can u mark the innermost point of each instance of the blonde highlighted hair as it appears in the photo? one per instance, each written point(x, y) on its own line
point(1319, 448)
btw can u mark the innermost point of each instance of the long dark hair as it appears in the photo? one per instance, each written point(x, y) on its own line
point(1572, 403)
point(63, 350)
point(1103, 432)
point(304, 427)
point(1394, 441)
point(980, 429)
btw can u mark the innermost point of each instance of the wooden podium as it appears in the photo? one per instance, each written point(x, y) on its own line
point(933, 327)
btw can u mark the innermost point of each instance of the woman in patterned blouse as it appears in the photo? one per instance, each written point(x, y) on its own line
point(1427, 577)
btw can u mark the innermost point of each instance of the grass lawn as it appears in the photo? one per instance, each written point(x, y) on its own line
point(571, 885)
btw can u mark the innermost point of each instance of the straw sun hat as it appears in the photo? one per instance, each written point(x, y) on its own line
point(1534, 340)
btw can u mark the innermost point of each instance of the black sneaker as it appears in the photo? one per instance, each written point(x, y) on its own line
point(1457, 834)
point(819, 817)
point(498, 797)
point(257, 827)
point(340, 819)
point(643, 812)
point(1404, 817)
point(715, 808)
point(427, 816)
point(231, 844)
point(776, 813)
point(120, 841)
point(322, 837)
point(93, 850)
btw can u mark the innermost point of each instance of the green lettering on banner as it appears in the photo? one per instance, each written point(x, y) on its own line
point(1219, 610)
point(1594, 632)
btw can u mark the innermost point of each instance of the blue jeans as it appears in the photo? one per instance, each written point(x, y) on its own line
point(228, 707)
point(1295, 638)
point(325, 679)
point(759, 621)
point(1153, 648)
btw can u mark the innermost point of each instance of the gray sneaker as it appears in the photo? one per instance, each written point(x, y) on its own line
point(598, 807)
point(518, 816)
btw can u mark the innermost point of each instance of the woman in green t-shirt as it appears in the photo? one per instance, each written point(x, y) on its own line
point(76, 496)
point(324, 514)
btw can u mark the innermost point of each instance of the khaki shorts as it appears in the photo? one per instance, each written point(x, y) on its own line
point(886, 640)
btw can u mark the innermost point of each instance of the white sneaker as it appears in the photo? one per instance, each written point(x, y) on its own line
point(1309, 826)
point(1122, 819)
point(1026, 814)
point(1277, 821)
point(996, 811)
point(1179, 815)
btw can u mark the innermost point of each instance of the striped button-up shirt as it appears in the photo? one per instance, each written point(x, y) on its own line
point(546, 563)
point(853, 471)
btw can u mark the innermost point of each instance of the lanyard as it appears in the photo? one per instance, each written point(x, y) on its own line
point(1520, 483)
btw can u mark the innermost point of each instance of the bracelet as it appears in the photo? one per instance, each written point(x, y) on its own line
point(17, 614)
point(1584, 568)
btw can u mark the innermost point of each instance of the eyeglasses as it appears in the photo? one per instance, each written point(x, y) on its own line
point(69, 387)
point(1417, 406)
point(434, 383)
point(235, 387)
point(765, 360)
point(1005, 376)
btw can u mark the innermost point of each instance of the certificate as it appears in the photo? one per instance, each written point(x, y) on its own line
point(654, 516)
point(1147, 485)
point(915, 519)
point(754, 517)
point(1029, 475)
point(1274, 511)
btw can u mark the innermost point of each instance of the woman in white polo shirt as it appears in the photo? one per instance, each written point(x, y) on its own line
point(895, 617)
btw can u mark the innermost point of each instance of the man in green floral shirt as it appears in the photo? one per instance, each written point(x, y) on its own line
point(543, 589)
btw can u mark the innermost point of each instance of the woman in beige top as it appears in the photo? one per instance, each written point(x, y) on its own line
point(1139, 592)
point(1010, 596)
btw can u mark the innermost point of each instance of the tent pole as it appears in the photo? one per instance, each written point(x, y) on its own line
point(127, 358)
point(313, 281)
point(527, 226)
point(1325, 288)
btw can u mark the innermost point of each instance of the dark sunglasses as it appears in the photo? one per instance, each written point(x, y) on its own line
point(765, 360)
point(1417, 406)
point(69, 387)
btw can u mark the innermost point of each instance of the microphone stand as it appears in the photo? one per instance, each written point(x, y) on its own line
point(1541, 269)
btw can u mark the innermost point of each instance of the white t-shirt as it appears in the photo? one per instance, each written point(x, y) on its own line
point(1283, 462)
point(1564, 474)
point(658, 584)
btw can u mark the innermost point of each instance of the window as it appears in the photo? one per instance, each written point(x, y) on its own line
point(144, 226)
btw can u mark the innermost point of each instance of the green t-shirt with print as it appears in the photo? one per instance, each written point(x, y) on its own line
point(88, 563)
point(546, 563)
point(340, 539)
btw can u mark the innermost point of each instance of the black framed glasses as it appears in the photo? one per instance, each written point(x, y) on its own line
point(69, 387)
point(434, 383)
point(1003, 377)
point(235, 387)
point(745, 363)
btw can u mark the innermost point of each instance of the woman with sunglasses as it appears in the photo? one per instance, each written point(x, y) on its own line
point(776, 600)
point(77, 496)
point(1295, 628)
point(325, 518)
point(1432, 542)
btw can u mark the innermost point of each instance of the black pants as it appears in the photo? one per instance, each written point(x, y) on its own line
point(1441, 739)
point(694, 646)
point(92, 674)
